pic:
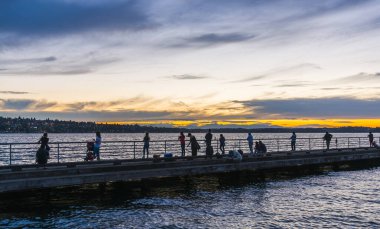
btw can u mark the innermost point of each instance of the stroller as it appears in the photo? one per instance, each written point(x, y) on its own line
point(90, 151)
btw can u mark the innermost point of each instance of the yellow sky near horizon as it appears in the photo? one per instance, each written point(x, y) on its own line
point(289, 123)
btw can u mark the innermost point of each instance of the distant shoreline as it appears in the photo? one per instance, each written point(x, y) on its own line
point(32, 125)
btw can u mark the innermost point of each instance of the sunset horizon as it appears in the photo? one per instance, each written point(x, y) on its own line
point(245, 63)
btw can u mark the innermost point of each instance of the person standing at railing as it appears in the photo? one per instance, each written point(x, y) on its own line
point(42, 154)
point(370, 138)
point(181, 139)
point(208, 140)
point(327, 138)
point(97, 143)
point(293, 139)
point(250, 142)
point(222, 141)
point(44, 141)
point(194, 145)
point(146, 141)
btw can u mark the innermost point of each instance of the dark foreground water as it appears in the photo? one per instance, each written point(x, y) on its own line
point(338, 199)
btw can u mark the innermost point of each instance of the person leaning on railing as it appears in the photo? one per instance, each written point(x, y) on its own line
point(327, 138)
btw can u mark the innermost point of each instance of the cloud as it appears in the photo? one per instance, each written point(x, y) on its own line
point(210, 39)
point(314, 107)
point(24, 104)
point(360, 77)
point(278, 71)
point(294, 84)
point(41, 17)
point(187, 77)
point(14, 92)
point(29, 60)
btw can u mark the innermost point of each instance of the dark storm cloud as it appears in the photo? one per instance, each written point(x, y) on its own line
point(321, 107)
point(43, 17)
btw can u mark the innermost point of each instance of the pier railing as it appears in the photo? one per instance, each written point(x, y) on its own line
point(60, 152)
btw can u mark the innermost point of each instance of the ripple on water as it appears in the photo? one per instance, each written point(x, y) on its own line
point(346, 199)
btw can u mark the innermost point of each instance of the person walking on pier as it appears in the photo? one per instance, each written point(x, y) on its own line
point(181, 139)
point(98, 142)
point(370, 138)
point(194, 145)
point(222, 141)
point(327, 138)
point(250, 142)
point(146, 141)
point(293, 139)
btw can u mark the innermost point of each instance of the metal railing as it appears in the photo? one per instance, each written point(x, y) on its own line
point(60, 152)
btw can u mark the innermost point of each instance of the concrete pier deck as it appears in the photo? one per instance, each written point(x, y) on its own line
point(24, 177)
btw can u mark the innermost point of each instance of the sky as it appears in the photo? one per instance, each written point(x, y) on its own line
point(252, 63)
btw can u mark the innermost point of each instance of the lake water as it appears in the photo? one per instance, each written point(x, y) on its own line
point(160, 143)
point(335, 199)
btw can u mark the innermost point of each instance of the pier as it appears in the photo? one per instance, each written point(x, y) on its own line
point(121, 161)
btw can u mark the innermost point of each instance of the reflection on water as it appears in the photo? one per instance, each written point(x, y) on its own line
point(236, 200)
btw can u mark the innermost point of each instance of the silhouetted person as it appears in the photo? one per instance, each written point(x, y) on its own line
point(327, 138)
point(293, 139)
point(257, 147)
point(44, 141)
point(208, 138)
point(43, 152)
point(370, 138)
point(181, 139)
point(194, 145)
point(146, 141)
point(250, 142)
point(262, 147)
point(222, 141)
point(98, 142)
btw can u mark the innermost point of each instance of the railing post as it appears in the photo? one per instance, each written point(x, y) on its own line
point(348, 143)
point(10, 154)
point(309, 144)
point(217, 146)
point(165, 147)
point(134, 150)
point(278, 146)
point(239, 144)
point(58, 153)
point(359, 142)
